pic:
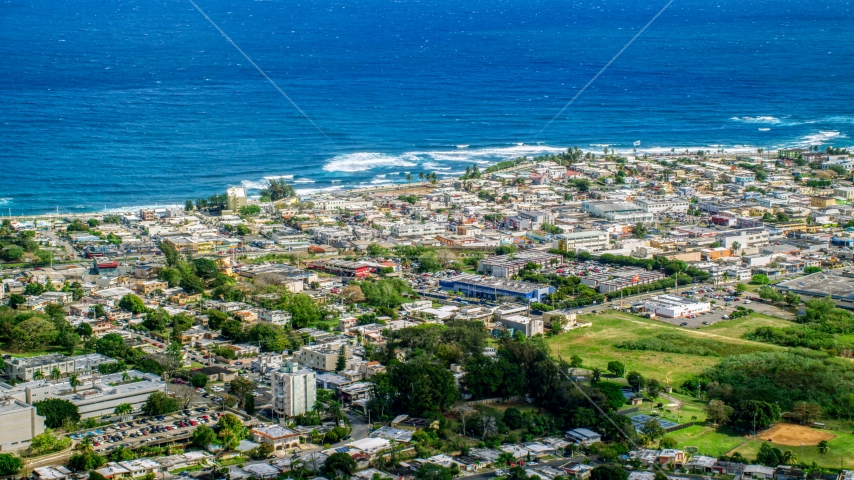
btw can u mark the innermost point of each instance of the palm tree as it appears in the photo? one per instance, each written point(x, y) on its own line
point(38, 375)
point(123, 409)
point(55, 374)
point(725, 277)
point(505, 459)
point(735, 246)
point(125, 376)
point(421, 176)
point(822, 447)
point(409, 178)
point(74, 382)
point(334, 408)
point(85, 445)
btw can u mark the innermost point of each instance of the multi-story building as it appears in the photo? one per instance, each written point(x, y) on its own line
point(626, 212)
point(24, 368)
point(621, 278)
point(323, 357)
point(844, 192)
point(275, 317)
point(414, 229)
point(294, 390)
point(521, 323)
point(20, 424)
point(591, 240)
point(236, 198)
point(95, 396)
point(494, 288)
point(509, 265)
point(666, 206)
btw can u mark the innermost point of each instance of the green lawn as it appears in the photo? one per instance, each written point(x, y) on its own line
point(194, 468)
point(596, 344)
point(722, 441)
point(737, 328)
point(36, 353)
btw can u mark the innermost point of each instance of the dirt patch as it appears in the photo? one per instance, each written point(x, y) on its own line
point(795, 435)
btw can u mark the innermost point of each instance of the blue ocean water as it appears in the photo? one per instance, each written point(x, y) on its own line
point(123, 103)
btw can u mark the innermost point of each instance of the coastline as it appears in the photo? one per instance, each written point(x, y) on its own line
point(339, 187)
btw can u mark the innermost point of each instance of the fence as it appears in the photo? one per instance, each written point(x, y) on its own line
point(679, 427)
point(490, 401)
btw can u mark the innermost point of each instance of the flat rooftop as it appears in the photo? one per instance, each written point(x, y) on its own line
point(823, 284)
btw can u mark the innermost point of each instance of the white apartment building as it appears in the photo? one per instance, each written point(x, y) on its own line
point(343, 204)
point(323, 357)
point(236, 198)
point(755, 237)
point(275, 317)
point(413, 229)
point(658, 206)
point(591, 240)
point(294, 390)
point(626, 212)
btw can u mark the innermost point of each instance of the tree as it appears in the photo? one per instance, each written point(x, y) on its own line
point(652, 429)
point(792, 299)
point(123, 410)
point(13, 254)
point(231, 430)
point(339, 465)
point(718, 412)
point(639, 230)
point(575, 361)
point(740, 287)
point(74, 381)
point(667, 442)
point(232, 329)
point(822, 447)
point(10, 464)
point(341, 362)
point(636, 381)
point(760, 279)
point(56, 411)
point(617, 368)
point(203, 436)
point(240, 388)
point(160, 403)
point(55, 374)
point(769, 456)
point(34, 333)
point(84, 330)
point(199, 380)
point(653, 388)
point(132, 303)
point(86, 461)
point(464, 410)
point(432, 471)
point(608, 472)
point(807, 412)
point(38, 375)
point(735, 246)
point(249, 404)
point(183, 393)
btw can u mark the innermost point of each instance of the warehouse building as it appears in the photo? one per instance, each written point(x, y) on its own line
point(616, 280)
point(494, 288)
point(671, 306)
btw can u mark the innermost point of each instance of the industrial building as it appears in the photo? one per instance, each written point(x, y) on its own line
point(20, 424)
point(671, 306)
point(494, 288)
point(626, 212)
point(616, 280)
point(591, 240)
point(508, 265)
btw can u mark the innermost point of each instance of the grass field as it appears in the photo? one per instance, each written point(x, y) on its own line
point(724, 441)
point(596, 344)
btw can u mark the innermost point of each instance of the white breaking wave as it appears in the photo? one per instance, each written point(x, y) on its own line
point(462, 146)
point(363, 161)
point(309, 191)
point(764, 129)
point(379, 180)
point(759, 119)
point(819, 138)
point(5, 201)
point(254, 184)
point(279, 177)
point(304, 180)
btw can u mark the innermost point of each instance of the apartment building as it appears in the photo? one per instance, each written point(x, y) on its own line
point(591, 240)
point(323, 357)
point(294, 390)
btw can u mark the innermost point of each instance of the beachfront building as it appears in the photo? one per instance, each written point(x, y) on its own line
point(236, 198)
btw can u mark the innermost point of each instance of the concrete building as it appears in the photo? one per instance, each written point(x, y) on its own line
point(294, 390)
point(626, 212)
point(621, 278)
point(323, 357)
point(494, 288)
point(591, 240)
point(508, 265)
point(671, 306)
point(24, 368)
point(277, 436)
point(662, 206)
point(521, 323)
point(413, 229)
point(95, 396)
point(236, 198)
point(275, 317)
point(20, 424)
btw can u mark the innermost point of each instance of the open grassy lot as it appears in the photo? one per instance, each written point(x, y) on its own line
point(737, 328)
point(596, 345)
point(724, 441)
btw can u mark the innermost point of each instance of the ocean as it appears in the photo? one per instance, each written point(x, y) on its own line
point(127, 103)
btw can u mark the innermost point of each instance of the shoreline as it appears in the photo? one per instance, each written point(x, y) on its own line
point(361, 189)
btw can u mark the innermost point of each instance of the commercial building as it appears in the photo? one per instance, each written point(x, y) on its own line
point(590, 240)
point(662, 206)
point(95, 396)
point(277, 436)
point(621, 278)
point(294, 390)
point(413, 229)
point(521, 323)
point(671, 306)
point(323, 357)
point(20, 424)
point(508, 265)
point(494, 288)
point(626, 212)
point(343, 268)
point(24, 368)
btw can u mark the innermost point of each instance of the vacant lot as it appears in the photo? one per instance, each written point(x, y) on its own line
point(795, 435)
point(596, 345)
